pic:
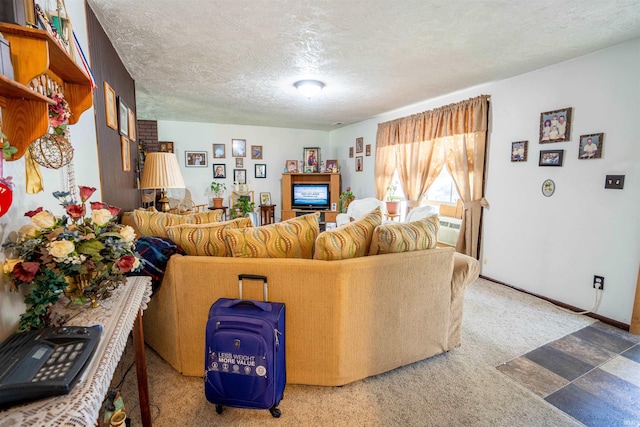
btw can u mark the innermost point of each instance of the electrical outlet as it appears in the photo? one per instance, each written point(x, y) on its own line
point(598, 282)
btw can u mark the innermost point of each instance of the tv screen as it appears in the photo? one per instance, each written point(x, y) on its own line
point(310, 196)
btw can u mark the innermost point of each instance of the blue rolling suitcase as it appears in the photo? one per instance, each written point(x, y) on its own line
point(245, 352)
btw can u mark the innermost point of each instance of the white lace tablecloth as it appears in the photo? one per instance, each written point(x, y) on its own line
point(81, 406)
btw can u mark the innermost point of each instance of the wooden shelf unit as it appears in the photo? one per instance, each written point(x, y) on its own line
point(333, 179)
point(25, 114)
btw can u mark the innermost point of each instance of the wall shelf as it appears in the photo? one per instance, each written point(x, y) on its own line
point(25, 115)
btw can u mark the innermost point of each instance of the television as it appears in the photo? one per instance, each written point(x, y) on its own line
point(310, 196)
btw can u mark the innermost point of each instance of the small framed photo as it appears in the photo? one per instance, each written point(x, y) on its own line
point(591, 146)
point(240, 176)
point(126, 154)
point(239, 162)
point(265, 199)
point(555, 126)
point(359, 164)
point(219, 170)
point(256, 152)
point(331, 166)
point(551, 157)
point(311, 156)
point(123, 117)
point(239, 147)
point(359, 144)
point(166, 146)
point(308, 169)
point(291, 166)
point(110, 107)
point(261, 170)
point(132, 125)
point(218, 151)
point(351, 152)
point(367, 150)
point(195, 159)
point(548, 188)
point(519, 151)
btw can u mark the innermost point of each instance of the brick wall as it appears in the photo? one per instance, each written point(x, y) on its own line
point(148, 135)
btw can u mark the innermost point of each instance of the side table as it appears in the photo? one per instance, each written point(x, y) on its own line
point(267, 214)
point(118, 315)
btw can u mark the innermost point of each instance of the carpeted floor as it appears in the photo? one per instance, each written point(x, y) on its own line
point(459, 388)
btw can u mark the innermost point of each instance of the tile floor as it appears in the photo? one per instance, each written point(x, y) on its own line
point(593, 375)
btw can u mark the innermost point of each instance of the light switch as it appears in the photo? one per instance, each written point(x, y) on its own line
point(614, 181)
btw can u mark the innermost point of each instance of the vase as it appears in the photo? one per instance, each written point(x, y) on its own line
point(77, 285)
point(217, 202)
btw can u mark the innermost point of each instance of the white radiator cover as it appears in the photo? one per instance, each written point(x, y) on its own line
point(449, 230)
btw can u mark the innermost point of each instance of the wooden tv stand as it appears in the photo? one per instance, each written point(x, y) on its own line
point(333, 179)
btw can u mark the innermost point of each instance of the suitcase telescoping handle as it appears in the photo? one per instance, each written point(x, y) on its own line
point(265, 292)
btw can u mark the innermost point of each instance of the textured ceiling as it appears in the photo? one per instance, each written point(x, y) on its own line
point(235, 62)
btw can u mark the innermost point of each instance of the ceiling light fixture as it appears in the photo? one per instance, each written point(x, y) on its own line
point(309, 87)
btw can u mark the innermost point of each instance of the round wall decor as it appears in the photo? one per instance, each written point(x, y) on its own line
point(548, 188)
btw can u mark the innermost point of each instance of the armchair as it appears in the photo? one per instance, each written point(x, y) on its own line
point(422, 212)
point(358, 208)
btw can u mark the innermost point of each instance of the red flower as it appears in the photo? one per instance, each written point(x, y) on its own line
point(86, 192)
point(26, 271)
point(98, 205)
point(76, 212)
point(125, 263)
point(33, 213)
point(114, 210)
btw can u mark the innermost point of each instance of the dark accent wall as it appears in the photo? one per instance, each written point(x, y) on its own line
point(119, 188)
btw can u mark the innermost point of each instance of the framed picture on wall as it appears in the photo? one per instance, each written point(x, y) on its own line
point(195, 159)
point(368, 150)
point(123, 117)
point(591, 146)
point(240, 176)
point(132, 124)
point(218, 151)
point(219, 170)
point(555, 126)
point(551, 157)
point(359, 144)
point(239, 147)
point(351, 152)
point(359, 164)
point(256, 152)
point(331, 165)
point(261, 170)
point(239, 162)
point(110, 106)
point(519, 151)
point(126, 154)
point(166, 146)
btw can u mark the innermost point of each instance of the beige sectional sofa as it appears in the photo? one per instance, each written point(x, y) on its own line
point(345, 320)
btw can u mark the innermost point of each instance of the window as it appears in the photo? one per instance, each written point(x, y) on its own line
point(443, 189)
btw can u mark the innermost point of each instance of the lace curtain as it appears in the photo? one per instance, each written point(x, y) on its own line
point(420, 145)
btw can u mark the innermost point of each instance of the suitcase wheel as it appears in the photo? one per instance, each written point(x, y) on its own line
point(219, 409)
point(275, 412)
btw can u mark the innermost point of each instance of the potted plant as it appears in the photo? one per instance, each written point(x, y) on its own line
point(393, 201)
point(346, 197)
point(242, 207)
point(218, 189)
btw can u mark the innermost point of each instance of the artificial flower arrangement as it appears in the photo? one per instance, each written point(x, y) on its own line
point(56, 252)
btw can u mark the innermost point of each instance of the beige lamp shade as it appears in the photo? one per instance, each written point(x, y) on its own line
point(161, 170)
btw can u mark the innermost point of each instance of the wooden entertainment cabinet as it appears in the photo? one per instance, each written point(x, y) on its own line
point(333, 179)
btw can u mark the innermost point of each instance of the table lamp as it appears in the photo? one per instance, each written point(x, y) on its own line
point(161, 171)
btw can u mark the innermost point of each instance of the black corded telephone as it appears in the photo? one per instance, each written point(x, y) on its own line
point(45, 362)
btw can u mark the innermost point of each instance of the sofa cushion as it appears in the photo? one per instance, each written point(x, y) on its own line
point(351, 240)
point(205, 239)
point(153, 223)
point(292, 238)
point(405, 237)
